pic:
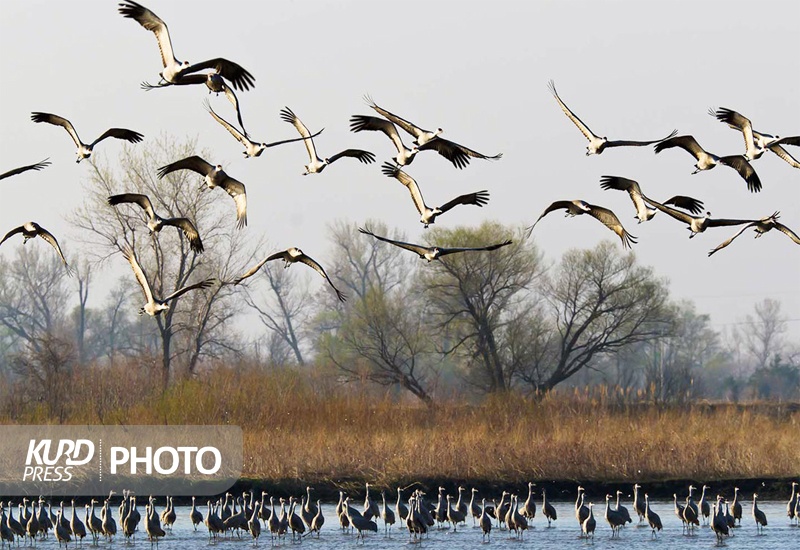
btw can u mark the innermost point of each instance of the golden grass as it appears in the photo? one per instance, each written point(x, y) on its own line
point(310, 427)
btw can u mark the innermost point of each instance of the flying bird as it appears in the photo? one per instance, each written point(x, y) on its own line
point(175, 70)
point(156, 222)
point(697, 224)
point(214, 176)
point(643, 213)
point(761, 226)
point(604, 215)
point(21, 169)
point(215, 84)
point(252, 148)
point(707, 161)
point(316, 164)
point(290, 256)
point(30, 230)
point(448, 149)
point(154, 306)
point(431, 253)
point(84, 150)
point(598, 144)
point(756, 142)
point(427, 214)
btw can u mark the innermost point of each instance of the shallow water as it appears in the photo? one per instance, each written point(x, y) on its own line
point(779, 534)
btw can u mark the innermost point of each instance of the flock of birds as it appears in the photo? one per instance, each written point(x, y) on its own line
point(221, 75)
point(304, 516)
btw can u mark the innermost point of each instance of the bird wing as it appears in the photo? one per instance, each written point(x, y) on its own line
point(409, 127)
point(789, 140)
point(687, 203)
point(722, 222)
point(446, 251)
point(281, 142)
point(554, 206)
point(687, 143)
point(677, 214)
point(287, 115)
point(730, 240)
point(625, 184)
point(610, 220)
point(360, 123)
point(478, 198)
point(138, 273)
point(229, 93)
point(309, 261)
point(737, 122)
point(47, 236)
point(784, 154)
point(58, 121)
point(570, 115)
point(142, 200)
point(239, 78)
point(363, 156)
point(180, 292)
point(786, 231)
point(629, 143)
point(228, 126)
point(253, 270)
point(13, 232)
point(193, 163)
point(151, 22)
point(393, 171)
point(236, 190)
point(189, 230)
point(449, 150)
point(119, 133)
point(745, 169)
point(15, 171)
point(408, 246)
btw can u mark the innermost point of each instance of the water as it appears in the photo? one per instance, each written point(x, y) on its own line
point(779, 534)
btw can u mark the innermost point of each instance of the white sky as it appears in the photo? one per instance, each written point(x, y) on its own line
point(629, 69)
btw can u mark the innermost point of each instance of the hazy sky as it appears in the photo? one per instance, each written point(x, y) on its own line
point(629, 69)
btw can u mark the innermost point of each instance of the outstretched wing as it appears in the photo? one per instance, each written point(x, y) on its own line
point(363, 156)
point(687, 143)
point(786, 231)
point(449, 150)
point(15, 171)
point(570, 115)
point(393, 171)
point(625, 184)
point(189, 230)
point(446, 251)
point(309, 261)
point(360, 123)
point(284, 255)
point(554, 206)
point(180, 292)
point(13, 232)
point(629, 143)
point(687, 203)
point(193, 163)
point(737, 122)
point(240, 137)
point(236, 190)
point(409, 127)
point(47, 236)
point(58, 121)
point(142, 200)
point(729, 241)
point(138, 273)
point(745, 169)
point(287, 115)
point(408, 246)
point(784, 154)
point(478, 198)
point(610, 220)
point(119, 133)
point(151, 22)
point(239, 78)
point(677, 214)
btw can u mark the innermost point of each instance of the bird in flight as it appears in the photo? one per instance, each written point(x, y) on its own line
point(290, 256)
point(38, 166)
point(316, 164)
point(85, 150)
point(154, 306)
point(697, 224)
point(707, 161)
point(598, 144)
point(431, 253)
point(427, 214)
point(643, 212)
point(756, 142)
point(156, 222)
point(604, 215)
point(213, 176)
point(761, 226)
point(174, 70)
point(30, 230)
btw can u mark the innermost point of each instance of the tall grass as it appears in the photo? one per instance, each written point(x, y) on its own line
point(311, 427)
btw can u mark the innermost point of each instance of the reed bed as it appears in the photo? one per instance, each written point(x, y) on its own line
point(313, 428)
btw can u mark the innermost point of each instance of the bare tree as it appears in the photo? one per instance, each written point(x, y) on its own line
point(762, 335)
point(83, 276)
point(195, 323)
